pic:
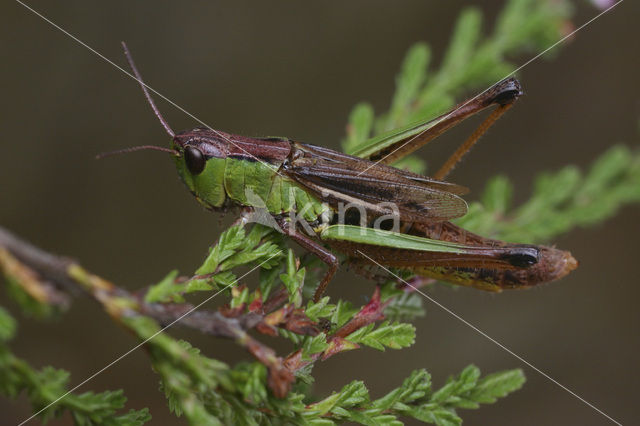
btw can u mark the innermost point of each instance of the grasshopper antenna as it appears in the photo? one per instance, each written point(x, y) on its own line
point(155, 110)
point(146, 92)
point(137, 148)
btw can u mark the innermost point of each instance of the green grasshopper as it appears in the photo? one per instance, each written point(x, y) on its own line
point(360, 205)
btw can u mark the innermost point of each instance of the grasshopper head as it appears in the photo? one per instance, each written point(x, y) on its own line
point(198, 145)
point(200, 162)
point(199, 153)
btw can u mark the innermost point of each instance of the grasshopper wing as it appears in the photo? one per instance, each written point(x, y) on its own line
point(341, 178)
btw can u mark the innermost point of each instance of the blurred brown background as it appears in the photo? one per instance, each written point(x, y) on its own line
point(287, 68)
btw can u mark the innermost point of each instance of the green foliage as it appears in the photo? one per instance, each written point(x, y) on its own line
point(416, 399)
point(207, 391)
point(167, 290)
point(394, 336)
point(560, 201)
point(472, 62)
point(322, 309)
point(262, 246)
point(45, 386)
point(343, 312)
point(7, 325)
point(293, 280)
point(314, 345)
point(337, 314)
point(29, 305)
point(186, 376)
point(235, 248)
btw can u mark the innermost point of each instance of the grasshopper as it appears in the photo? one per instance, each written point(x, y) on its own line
point(360, 205)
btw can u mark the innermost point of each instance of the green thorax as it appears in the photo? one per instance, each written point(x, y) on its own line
point(250, 183)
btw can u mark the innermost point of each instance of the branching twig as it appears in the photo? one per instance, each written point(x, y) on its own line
point(21, 258)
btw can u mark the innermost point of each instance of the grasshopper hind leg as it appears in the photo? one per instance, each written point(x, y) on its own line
point(466, 146)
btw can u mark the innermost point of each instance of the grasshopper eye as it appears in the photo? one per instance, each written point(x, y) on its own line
point(194, 160)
